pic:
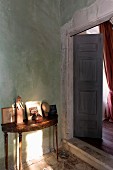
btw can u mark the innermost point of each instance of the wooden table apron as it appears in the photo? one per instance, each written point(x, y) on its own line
point(26, 127)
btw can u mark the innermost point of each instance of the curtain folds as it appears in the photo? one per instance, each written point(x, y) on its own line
point(107, 31)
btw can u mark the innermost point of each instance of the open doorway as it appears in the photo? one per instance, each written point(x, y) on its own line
point(79, 23)
point(107, 134)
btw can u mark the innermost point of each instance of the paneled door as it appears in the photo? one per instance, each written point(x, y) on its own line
point(88, 71)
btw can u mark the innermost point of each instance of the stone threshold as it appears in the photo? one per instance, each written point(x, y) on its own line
point(88, 153)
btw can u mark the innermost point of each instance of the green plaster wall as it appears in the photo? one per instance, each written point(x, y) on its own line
point(29, 54)
point(68, 8)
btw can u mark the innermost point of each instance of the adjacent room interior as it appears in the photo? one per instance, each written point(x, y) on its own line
point(107, 136)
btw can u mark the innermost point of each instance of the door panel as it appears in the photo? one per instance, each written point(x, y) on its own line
point(88, 51)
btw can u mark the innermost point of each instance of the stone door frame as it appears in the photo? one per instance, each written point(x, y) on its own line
point(67, 31)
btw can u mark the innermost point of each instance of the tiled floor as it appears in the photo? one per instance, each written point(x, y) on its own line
point(49, 162)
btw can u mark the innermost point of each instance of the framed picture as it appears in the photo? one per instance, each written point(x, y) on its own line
point(33, 108)
point(8, 115)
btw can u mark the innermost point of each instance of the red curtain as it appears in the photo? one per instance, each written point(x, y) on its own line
point(107, 31)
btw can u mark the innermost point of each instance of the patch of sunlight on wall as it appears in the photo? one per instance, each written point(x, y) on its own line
point(16, 149)
point(34, 145)
point(94, 30)
point(105, 91)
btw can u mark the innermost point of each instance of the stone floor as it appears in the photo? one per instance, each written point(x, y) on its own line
point(90, 154)
point(49, 162)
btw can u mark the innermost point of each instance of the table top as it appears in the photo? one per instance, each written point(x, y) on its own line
point(30, 125)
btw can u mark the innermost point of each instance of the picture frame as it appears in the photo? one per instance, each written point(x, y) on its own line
point(8, 115)
point(33, 107)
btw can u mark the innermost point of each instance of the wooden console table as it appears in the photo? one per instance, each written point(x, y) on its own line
point(27, 127)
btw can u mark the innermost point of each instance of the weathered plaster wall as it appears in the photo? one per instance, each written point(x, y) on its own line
point(68, 8)
point(82, 17)
point(29, 56)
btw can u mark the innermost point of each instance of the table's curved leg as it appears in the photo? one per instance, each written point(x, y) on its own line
point(56, 140)
point(6, 150)
point(20, 151)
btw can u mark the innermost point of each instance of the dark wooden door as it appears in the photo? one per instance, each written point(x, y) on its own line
point(88, 51)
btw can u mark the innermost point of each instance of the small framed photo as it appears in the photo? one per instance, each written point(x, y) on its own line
point(8, 115)
point(33, 108)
